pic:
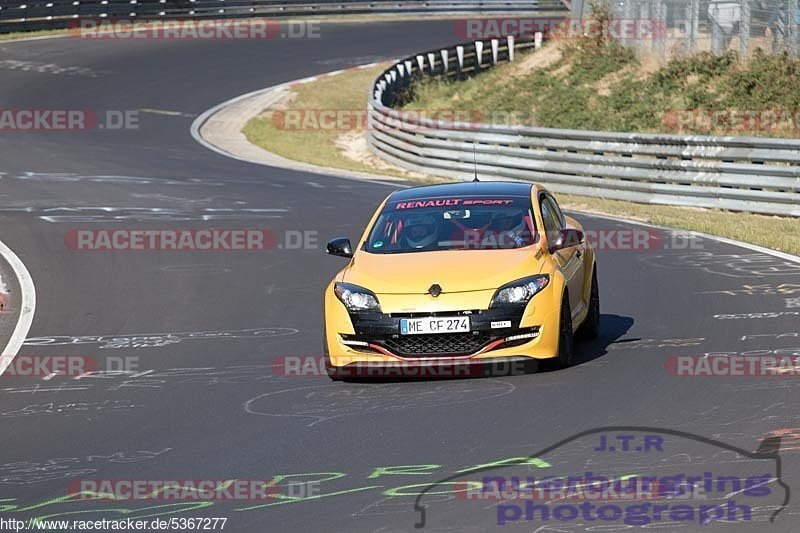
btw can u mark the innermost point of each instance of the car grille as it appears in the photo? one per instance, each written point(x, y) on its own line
point(437, 344)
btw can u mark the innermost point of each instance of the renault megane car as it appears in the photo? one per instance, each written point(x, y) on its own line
point(473, 272)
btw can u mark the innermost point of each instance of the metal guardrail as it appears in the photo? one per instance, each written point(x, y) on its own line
point(758, 175)
point(22, 15)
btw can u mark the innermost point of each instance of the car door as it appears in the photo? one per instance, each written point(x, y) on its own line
point(568, 259)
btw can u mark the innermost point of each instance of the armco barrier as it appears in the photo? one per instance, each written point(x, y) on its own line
point(22, 15)
point(758, 175)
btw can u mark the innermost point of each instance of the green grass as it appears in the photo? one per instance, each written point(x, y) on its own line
point(17, 35)
point(607, 88)
point(347, 91)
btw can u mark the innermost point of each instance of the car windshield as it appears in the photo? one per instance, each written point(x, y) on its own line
point(454, 223)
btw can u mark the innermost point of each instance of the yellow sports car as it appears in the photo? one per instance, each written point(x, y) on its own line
point(462, 273)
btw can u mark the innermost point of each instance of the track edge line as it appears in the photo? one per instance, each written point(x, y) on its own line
point(27, 307)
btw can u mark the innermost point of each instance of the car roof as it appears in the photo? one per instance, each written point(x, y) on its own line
point(464, 188)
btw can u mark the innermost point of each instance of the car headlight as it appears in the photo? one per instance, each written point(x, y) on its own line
point(519, 291)
point(356, 298)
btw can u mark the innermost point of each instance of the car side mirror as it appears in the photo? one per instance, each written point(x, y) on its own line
point(566, 238)
point(340, 246)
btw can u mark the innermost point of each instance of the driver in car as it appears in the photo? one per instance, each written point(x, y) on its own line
point(510, 229)
point(420, 231)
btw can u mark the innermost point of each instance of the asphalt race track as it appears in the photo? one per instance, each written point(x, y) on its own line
point(205, 328)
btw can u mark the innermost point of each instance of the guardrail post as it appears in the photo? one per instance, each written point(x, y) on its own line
point(460, 61)
point(495, 50)
point(444, 61)
point(537, 39)
point(409, 66)
point(510, 40)
point(478, 54)
point(421, 64)
point(432, 62)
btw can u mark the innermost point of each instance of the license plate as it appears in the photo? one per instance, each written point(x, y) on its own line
point(434, 324)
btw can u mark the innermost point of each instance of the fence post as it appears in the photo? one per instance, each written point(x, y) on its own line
point(495, 50)
point(694, 24)
point(645, 13)
point(510, 40)
point(792, 27)
point(659, 20)
point(460, 61)
point(744, 28)
point(478, 54)
point(444, 61)
point(717, 35)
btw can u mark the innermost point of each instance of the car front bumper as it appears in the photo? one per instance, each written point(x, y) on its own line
point(374, 337)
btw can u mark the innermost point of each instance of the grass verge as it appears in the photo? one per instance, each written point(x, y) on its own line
point(312, 142)
point(348, 91)
point(612, 90)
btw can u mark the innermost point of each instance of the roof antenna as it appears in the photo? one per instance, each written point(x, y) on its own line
point(474, 163)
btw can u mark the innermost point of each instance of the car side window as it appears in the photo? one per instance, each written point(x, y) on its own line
point(549, 216)
point(559, 214)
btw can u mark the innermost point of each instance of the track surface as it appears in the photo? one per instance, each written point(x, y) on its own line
point(225, 414)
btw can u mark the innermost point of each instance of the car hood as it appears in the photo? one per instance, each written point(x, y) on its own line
point(453, 270)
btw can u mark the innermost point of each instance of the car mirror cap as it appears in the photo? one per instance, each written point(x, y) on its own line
point(567, 238)
point(340, 246)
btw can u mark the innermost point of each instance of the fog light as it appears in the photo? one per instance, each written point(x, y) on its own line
point(531, 335)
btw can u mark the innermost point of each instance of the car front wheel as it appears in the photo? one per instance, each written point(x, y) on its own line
point(590, 329)
point(565, 341)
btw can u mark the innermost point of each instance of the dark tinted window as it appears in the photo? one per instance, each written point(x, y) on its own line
point(465, 223)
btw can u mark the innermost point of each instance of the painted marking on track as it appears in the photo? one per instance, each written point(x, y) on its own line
point(155, 340)
point(166, 112)
point(47, 68)
point(27, 306)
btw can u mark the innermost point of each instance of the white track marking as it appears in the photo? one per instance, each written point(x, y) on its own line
point(27, 307)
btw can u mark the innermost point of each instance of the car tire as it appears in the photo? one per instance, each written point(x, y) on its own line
point(565, 338)
point(590, 329)
point(333, 372)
